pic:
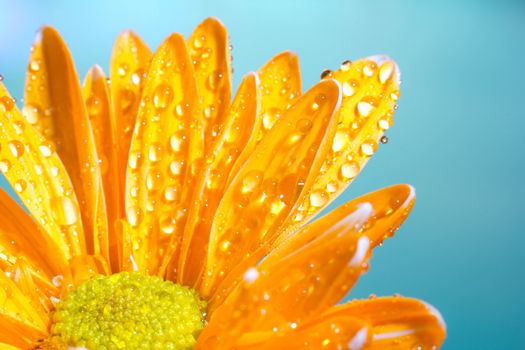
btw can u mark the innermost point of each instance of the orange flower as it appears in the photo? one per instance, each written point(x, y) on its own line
point(156, 170)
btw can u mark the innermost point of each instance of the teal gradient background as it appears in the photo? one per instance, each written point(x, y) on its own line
point(458, 137)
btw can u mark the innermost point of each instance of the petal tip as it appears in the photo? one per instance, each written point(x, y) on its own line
point(435, 312)
point(380, 59)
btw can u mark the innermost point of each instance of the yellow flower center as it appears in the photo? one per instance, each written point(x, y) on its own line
point(129, 311)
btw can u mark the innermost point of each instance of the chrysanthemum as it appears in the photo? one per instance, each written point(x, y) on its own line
point(163, 214)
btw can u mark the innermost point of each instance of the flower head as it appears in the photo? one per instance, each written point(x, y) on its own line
point(157, 171)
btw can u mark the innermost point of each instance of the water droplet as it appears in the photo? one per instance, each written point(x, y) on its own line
point(214, 79)
point(46, 149)
point(134, 216)
point(385, 72)
point(176, 142)
point(345, 66)
point(122, 69)
point(20, 186)
point(364, 108)
point(64, 211)
point(17, 148)
point(137, 76)
point(176, 167)
point(178, 110)
point(198, 42)
point(395, 95)
point(369, 69)
point(167, 224)
point(384, 139)
point(154, 180)
point(383, 124)
point(93, 105)
point(341, 139)
point(304, 125)
point(155, 152)
point(5, 165)
point(349, 87)
point(170, 194)
point(208, 111)
point(350, 170)
point(126, 99)
point(34, 66)
point(327, 73)
point(135, 159)
point(331, 187)
point(318, 198)
point(251, 181)
point(32, 113)
point(7, 102)
point(162, 96)
point(368, 147)
point(270, 117)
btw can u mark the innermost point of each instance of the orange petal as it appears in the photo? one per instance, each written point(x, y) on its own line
point(65, 124)
point(22, 274)
point(370, 91)
point(235, 134)
point(397, 323)
point(304, 283)
point(328, 332)
point(19, 236)
point(96, 94)
point(209, 49)
point(263, 192)
point(280, 86)
point(376, 215)
point(130, 61)
point(19, 321)
point(31, 165)
point(166, 147)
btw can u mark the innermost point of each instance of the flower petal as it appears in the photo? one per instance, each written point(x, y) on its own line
point(165, 151)
point(19, 321)
point(376, 215)
point(235, 134)
point(263, 192)
point(305, 283)
point(19, 236)
point(324, 332)
point(370, 91)
point(65, 124)
point(97, 97)
point(280, 86)
point(129, 64)
point(397, 322)
point(4, 346)
point(209, 49)
point(33, 168)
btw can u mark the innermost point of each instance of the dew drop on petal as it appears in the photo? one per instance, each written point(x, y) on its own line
point(16, 147)
point(350, 170)
point(163, 96)
point(64, 211)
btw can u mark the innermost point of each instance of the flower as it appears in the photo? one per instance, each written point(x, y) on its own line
point(156, 171)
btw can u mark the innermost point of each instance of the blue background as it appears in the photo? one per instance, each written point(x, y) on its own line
point(458, 137)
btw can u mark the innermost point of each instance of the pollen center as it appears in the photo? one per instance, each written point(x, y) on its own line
point(129, 311)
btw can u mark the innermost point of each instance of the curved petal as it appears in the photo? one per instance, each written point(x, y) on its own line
point(165, 151)
point(209, 50)
point(376, 215)
point(370, 91)
point(65, 124)
point(328, 332)
point(31, 165)
point(20, 323)
point(397, 322)
point(19, 236)
point(211, 184)
point(305, 283)
point(129, 64)
point(270, 181)
point(97, 98)
point(280, 87)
